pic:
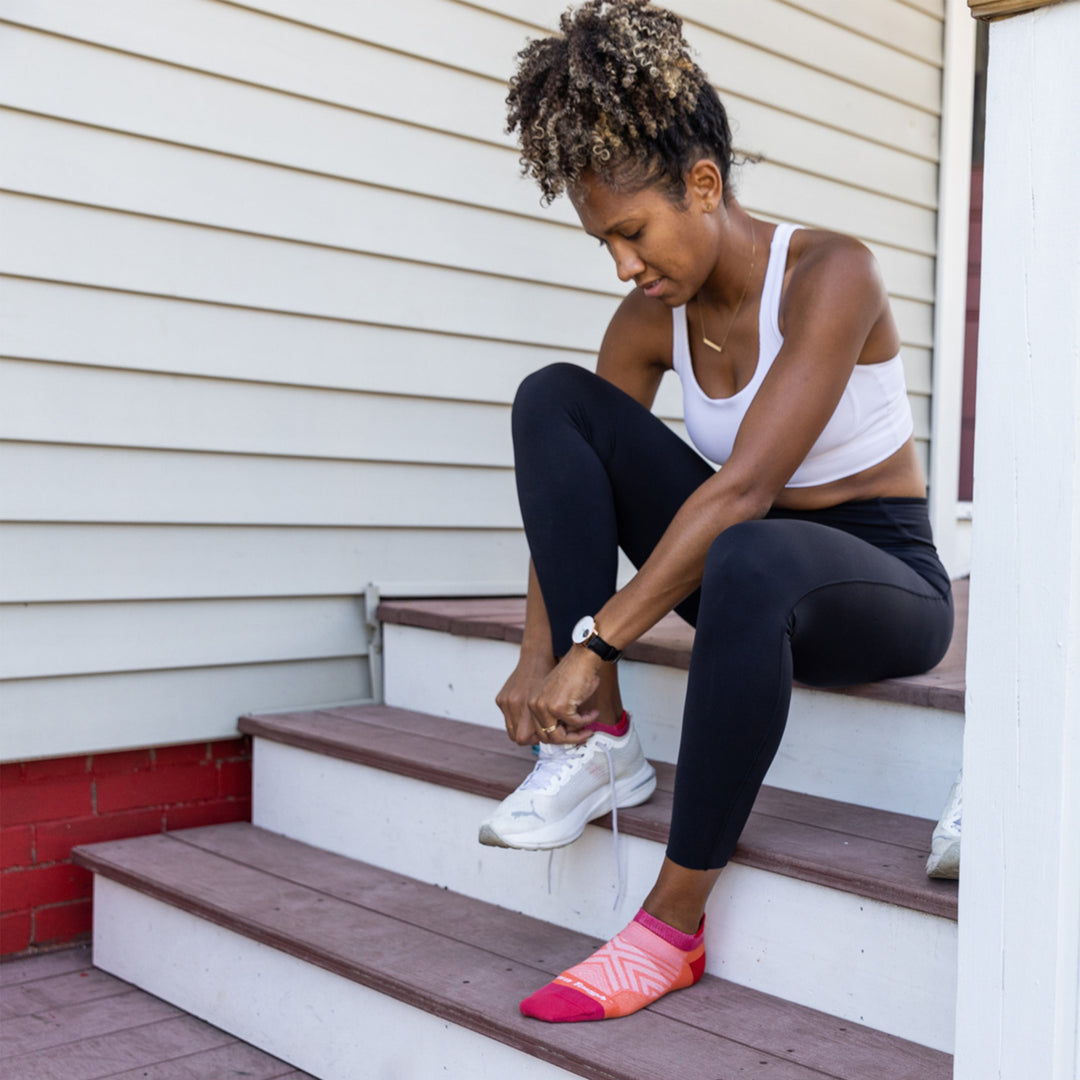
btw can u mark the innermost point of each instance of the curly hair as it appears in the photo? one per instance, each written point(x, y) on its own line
point(617, 93)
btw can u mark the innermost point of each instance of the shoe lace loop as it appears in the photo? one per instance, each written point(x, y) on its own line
point(551, 765)
point(553, 762)
point(614, 826)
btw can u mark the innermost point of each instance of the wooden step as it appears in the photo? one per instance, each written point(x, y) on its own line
point(670, 641)
point(280, 937)
point(407, 792)
point(872, 853)
point(894, 745)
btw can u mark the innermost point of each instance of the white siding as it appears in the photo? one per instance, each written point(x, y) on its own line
point(268, 281)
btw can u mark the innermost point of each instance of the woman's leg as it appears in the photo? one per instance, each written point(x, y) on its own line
point(779, 597)
point(783, 599)
point(595, 471)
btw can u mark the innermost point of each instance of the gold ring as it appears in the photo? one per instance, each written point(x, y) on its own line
point(549, 730)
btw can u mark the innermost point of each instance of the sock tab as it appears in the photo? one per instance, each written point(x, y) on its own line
point(686, 942)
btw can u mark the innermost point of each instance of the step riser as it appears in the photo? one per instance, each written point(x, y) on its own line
point(874, 963)
point(895, 757)
point(285, 1006)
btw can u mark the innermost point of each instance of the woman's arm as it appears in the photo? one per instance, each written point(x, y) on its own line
point(535, 662)
point(834, 299)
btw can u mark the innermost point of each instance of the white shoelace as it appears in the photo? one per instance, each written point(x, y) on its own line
point(553, 761)
point(614, 827)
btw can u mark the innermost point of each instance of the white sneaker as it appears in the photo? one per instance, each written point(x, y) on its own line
point(568, 788)
point(944, 861)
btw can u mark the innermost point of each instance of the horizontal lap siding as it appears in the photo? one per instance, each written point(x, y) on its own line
point(269, 281)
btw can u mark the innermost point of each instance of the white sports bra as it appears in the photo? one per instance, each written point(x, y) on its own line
point(872, 419)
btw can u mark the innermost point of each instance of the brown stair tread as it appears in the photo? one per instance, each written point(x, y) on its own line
point(871, 853)
point(669, 642)
point(469, 962)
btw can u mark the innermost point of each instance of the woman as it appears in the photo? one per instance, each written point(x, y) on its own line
point(807, 555)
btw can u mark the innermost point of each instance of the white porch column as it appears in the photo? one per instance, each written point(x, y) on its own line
point(951, 278)
point(1018, 1014)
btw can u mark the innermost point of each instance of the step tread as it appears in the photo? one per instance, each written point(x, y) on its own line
point(468, 962)
point(872, 853)
point(669, 643)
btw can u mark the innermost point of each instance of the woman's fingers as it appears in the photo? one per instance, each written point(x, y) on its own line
point(513, 702)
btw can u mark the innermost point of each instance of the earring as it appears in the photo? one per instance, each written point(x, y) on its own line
point(708, 208)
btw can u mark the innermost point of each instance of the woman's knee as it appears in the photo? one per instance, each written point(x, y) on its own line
point(554, 385)
point(741, 555)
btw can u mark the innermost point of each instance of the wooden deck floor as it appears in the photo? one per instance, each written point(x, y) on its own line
point(63, 1019)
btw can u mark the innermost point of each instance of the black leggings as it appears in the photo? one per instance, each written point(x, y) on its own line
point(850, 594)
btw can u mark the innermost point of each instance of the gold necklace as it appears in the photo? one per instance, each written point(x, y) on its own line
point(738, 307)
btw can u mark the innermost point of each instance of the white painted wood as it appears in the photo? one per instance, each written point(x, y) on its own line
point(962, 536)
point(804, 145)
point(94, 167)
point(78, 245)
point(79, 562)
point(280, 55)
point(99, 168)
point(47, 403)
point(773, 25)
point(894, 757)
point(130, 93)
point(93, 638)
point(950, 308)
point(894, 24)
point(318, 1021)
point(826, 204)
point(931, 7)
point(876, 963)
point(1019, 1003)
point(780, 29)
point(481, 42)
point(447, 40)
point(98, 247)
point(104, 328)
point(64, 483)
point(284, 56)
point(86, 714)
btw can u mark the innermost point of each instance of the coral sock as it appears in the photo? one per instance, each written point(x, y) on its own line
point(637, 966)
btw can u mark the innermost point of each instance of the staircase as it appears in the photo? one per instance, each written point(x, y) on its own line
point(357, 929)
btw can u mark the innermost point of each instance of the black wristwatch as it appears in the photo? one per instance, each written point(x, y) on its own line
point(584, 633)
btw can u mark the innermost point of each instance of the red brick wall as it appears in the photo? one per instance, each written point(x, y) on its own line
point(47, 807)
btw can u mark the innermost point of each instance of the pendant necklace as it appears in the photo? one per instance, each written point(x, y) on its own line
point(738, 307)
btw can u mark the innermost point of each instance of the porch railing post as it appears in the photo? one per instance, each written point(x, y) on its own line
point(1018, 1013)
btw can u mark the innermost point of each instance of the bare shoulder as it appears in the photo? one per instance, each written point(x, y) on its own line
point(641, 328)
point(637, 346)
point(817, 255)
point(833, 278)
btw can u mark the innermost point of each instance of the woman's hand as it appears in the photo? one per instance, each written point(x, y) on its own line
point(554, 707)
point(513, 699)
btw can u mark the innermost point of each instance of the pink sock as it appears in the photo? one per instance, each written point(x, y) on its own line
point(617, 729)
point(640, 964)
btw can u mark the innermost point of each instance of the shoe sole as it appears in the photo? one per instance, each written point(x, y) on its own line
point(630, 791)
point(945, 864)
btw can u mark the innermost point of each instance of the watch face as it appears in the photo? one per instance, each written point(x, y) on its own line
point(585, 626)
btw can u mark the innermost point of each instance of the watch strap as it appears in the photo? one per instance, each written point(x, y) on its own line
point(602, 649)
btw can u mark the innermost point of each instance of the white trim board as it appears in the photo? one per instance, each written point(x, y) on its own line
point(285, 1006)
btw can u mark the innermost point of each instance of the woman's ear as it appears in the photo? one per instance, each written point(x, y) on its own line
point(704, 185)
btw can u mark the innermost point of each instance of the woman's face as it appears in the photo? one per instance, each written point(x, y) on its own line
point(667, 250)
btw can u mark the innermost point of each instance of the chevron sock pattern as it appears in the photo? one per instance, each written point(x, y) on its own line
point(637, 966)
